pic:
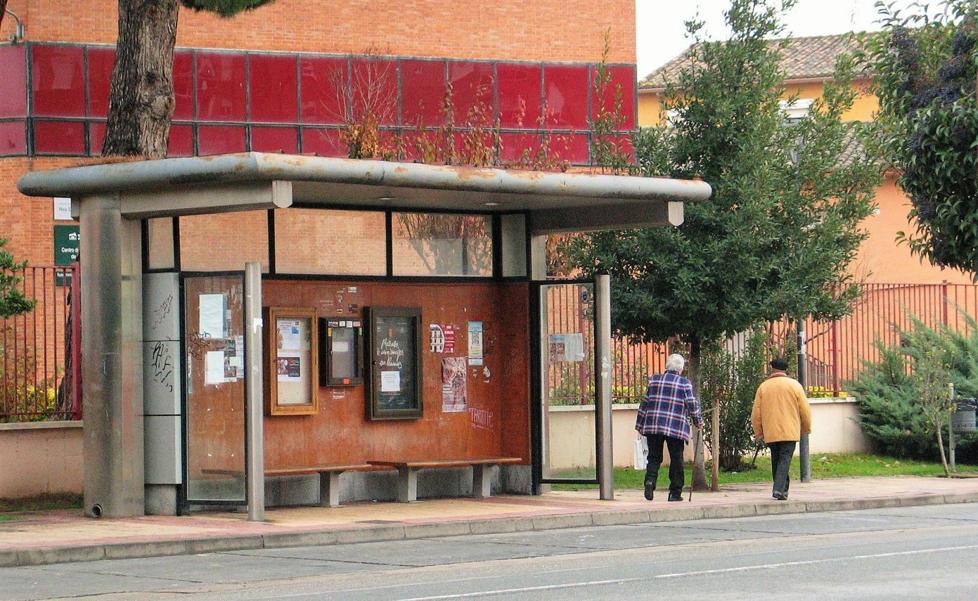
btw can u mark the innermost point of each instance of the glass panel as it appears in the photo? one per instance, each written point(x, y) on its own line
point(566, 93)
point(181, 142)
point(330, 242)
point(567, 313)
point(13, 139)
point(447, 245)
point(13, 86)
point(621, 78)
point(514, 245)
point(273, 88)
point(59, 137)
point(100, 63)
point(96, 137)
point(220, 87)
point(223, 241)
point(217, 139)
point(323, 83)
point(183, 85)
point(274, 139)
point(472, 93)
point(58, 81)
point(214, 335)
point(373, 89)
point(343, 355)
point(160, 243)
point(423, 90)
point(323, 142)
point(519, 95)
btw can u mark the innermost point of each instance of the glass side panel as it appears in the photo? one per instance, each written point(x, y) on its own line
point(215, 388)
point(568, 407)
point(223, 241)
point(317, 241)
point(429, 244)
point(160, 243)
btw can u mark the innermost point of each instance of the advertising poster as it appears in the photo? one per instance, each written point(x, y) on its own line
point(453, 394)
point(475, 343)
point(289, 368)
point(566, 347)
point(442, 338)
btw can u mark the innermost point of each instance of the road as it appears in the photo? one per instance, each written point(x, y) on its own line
point(907, 553)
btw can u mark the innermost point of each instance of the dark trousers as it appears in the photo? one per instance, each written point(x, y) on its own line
point(675, 461)
point(781, 453)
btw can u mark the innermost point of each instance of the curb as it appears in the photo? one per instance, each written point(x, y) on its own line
point(78, 553)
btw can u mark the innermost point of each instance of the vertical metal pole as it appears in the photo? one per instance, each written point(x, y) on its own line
point(950, 429)
point(254, 393)
point(806, 465)
point(605, 456)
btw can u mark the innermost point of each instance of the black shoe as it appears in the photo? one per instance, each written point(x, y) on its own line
point(780, 496)
point(649, 489)
point(675, 496)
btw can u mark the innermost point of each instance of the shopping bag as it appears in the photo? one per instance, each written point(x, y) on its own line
point(641, 452)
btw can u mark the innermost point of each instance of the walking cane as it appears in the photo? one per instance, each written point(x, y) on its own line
point(695, 442)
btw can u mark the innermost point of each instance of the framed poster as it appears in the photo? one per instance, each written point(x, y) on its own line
point(293, 355)
point(341, 344)
point(393, 381)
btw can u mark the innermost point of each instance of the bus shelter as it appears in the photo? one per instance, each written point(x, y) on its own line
point(255, 325)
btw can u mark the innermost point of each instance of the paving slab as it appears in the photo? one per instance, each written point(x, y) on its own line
point(68, 536)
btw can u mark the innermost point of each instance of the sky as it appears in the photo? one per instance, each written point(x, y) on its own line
point(660, 34)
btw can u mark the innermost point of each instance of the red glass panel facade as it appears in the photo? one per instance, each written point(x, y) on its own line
point(272, 88)
point(59, 137)
point(100, 64)
point(323, 83)
point(13, 138)
point(322, 142)
point(220, 139)
point(565, 96)
point(181, 142)
point(13, 83)
point(222, 96)
point(519, 95)
point(422, 93)
point(183, 85)
point(373, 89)
point(220, 87)
point(58, 81)
point(621, 80)
point(274, 139)
point(473, 100)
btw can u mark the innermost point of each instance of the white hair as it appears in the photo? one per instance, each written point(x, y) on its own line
point(675, 362)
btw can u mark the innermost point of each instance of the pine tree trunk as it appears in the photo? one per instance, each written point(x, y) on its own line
point(699, 460)
point(141, 94)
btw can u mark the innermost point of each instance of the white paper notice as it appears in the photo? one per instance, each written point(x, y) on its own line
point(475, 343)
point(214, 367)
point(341, 346)
point(390, 381)
point(211, 324)
point(574, 347)
point(288, 332)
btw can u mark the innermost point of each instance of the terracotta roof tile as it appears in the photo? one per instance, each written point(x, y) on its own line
point(802, 58)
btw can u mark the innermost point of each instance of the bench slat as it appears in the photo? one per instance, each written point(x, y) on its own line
point(317, 469)
point(447, 462)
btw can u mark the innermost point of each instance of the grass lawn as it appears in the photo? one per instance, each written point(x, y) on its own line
point(824, 465)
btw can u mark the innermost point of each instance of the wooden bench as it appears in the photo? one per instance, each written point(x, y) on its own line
point(407, 474)
point(329, 478)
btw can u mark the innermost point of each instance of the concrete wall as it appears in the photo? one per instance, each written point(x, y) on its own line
point(41, 457)
point(835, 429)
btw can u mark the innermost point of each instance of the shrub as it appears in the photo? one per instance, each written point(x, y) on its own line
point(887, 394)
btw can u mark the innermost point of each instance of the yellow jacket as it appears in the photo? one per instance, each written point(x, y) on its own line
point(781, 410)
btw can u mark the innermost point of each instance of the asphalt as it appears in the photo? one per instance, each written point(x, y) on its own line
point(68, 536)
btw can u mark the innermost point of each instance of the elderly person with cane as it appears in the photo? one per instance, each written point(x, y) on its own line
point(663, 417)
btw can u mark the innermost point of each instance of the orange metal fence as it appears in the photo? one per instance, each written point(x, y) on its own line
point(39, 351)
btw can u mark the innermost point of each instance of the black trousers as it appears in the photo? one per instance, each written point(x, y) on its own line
point(781, 453)
point(675, 461)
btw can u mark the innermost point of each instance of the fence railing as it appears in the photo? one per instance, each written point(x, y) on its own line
point(40, 371)
point(835, 349)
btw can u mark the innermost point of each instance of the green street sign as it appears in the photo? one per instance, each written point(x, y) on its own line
point(66, 245)
point(66, 238)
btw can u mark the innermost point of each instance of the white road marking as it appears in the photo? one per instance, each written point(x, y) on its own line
point(526, 589)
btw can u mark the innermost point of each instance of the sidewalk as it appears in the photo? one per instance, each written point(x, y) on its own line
point(65, 536)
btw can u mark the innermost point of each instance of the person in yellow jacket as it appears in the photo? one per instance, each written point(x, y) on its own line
point(779, 417)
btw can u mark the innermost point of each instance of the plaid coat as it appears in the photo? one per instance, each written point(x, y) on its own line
point(666, 405)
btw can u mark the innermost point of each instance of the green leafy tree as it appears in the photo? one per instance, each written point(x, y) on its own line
point(924, 76)
point(12, 301)
point(782, 226)
point(141, 98)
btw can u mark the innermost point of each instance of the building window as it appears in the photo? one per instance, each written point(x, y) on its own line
point(431, 244)
point(223, 241)
point(797, 109)
point(330, 242)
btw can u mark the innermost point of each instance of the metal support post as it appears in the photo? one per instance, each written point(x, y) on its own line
point(605, 452)
point(805, 459)
point(950, 429)
point(254, 393)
